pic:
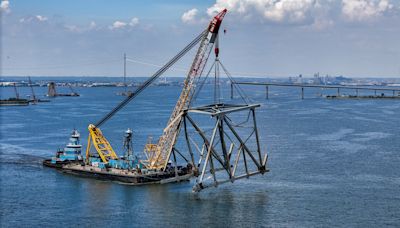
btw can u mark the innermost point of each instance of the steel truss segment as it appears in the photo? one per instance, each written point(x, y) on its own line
point(236, 161)
point(222, 152)
point(223, 147)
point(257, 137)
point(209, 157)
point(212, 153)
point(242, 143)
point(207, 144)
point(201, 186)
point(218, 109)
point(189, 147)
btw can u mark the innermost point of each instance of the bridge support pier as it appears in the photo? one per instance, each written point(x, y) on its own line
point(231, 90)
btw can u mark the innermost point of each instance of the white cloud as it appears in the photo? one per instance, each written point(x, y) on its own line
point(361, 10)
point(118, 25)
point(268, 10)
point(317, 13)
point(189, 16)
point(134, 21)
point(80, 29)
point(5, 6)
point(122, 24)
point(72, 28)
point(92, 25)
point(37, 18)
point(41, 18)
point(321, 23)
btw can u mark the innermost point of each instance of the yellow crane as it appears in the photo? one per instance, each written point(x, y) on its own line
point(100, 143)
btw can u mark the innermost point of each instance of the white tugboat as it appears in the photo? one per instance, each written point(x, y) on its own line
point(70, 154)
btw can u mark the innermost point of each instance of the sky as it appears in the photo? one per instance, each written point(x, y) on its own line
point(264, 38)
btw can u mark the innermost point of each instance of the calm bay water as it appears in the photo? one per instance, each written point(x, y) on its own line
point(333, 163)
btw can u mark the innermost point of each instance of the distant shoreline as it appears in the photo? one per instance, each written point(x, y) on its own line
point(104, 81)
point(183, 76)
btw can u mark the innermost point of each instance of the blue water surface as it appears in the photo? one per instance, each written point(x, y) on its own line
point(333, 163)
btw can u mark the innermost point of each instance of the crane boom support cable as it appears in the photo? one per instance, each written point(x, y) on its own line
point(241, 93)
point(154, 65)
point(152, 78)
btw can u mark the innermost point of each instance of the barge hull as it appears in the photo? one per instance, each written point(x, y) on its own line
point(138, 179)
point(59, 164)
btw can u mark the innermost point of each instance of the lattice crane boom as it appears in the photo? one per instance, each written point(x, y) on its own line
point(160, 157)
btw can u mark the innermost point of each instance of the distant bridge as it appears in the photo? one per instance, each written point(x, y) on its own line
point(302, 86)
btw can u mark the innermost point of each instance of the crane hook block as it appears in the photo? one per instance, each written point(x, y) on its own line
point(216, 50)
point(215, 24)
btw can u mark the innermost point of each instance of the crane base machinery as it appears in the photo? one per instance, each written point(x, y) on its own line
point(127, 169)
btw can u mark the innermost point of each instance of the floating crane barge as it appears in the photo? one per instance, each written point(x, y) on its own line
point(101, 161)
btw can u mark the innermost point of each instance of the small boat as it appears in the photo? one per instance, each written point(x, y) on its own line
point(14, 102)
point(71, 154)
